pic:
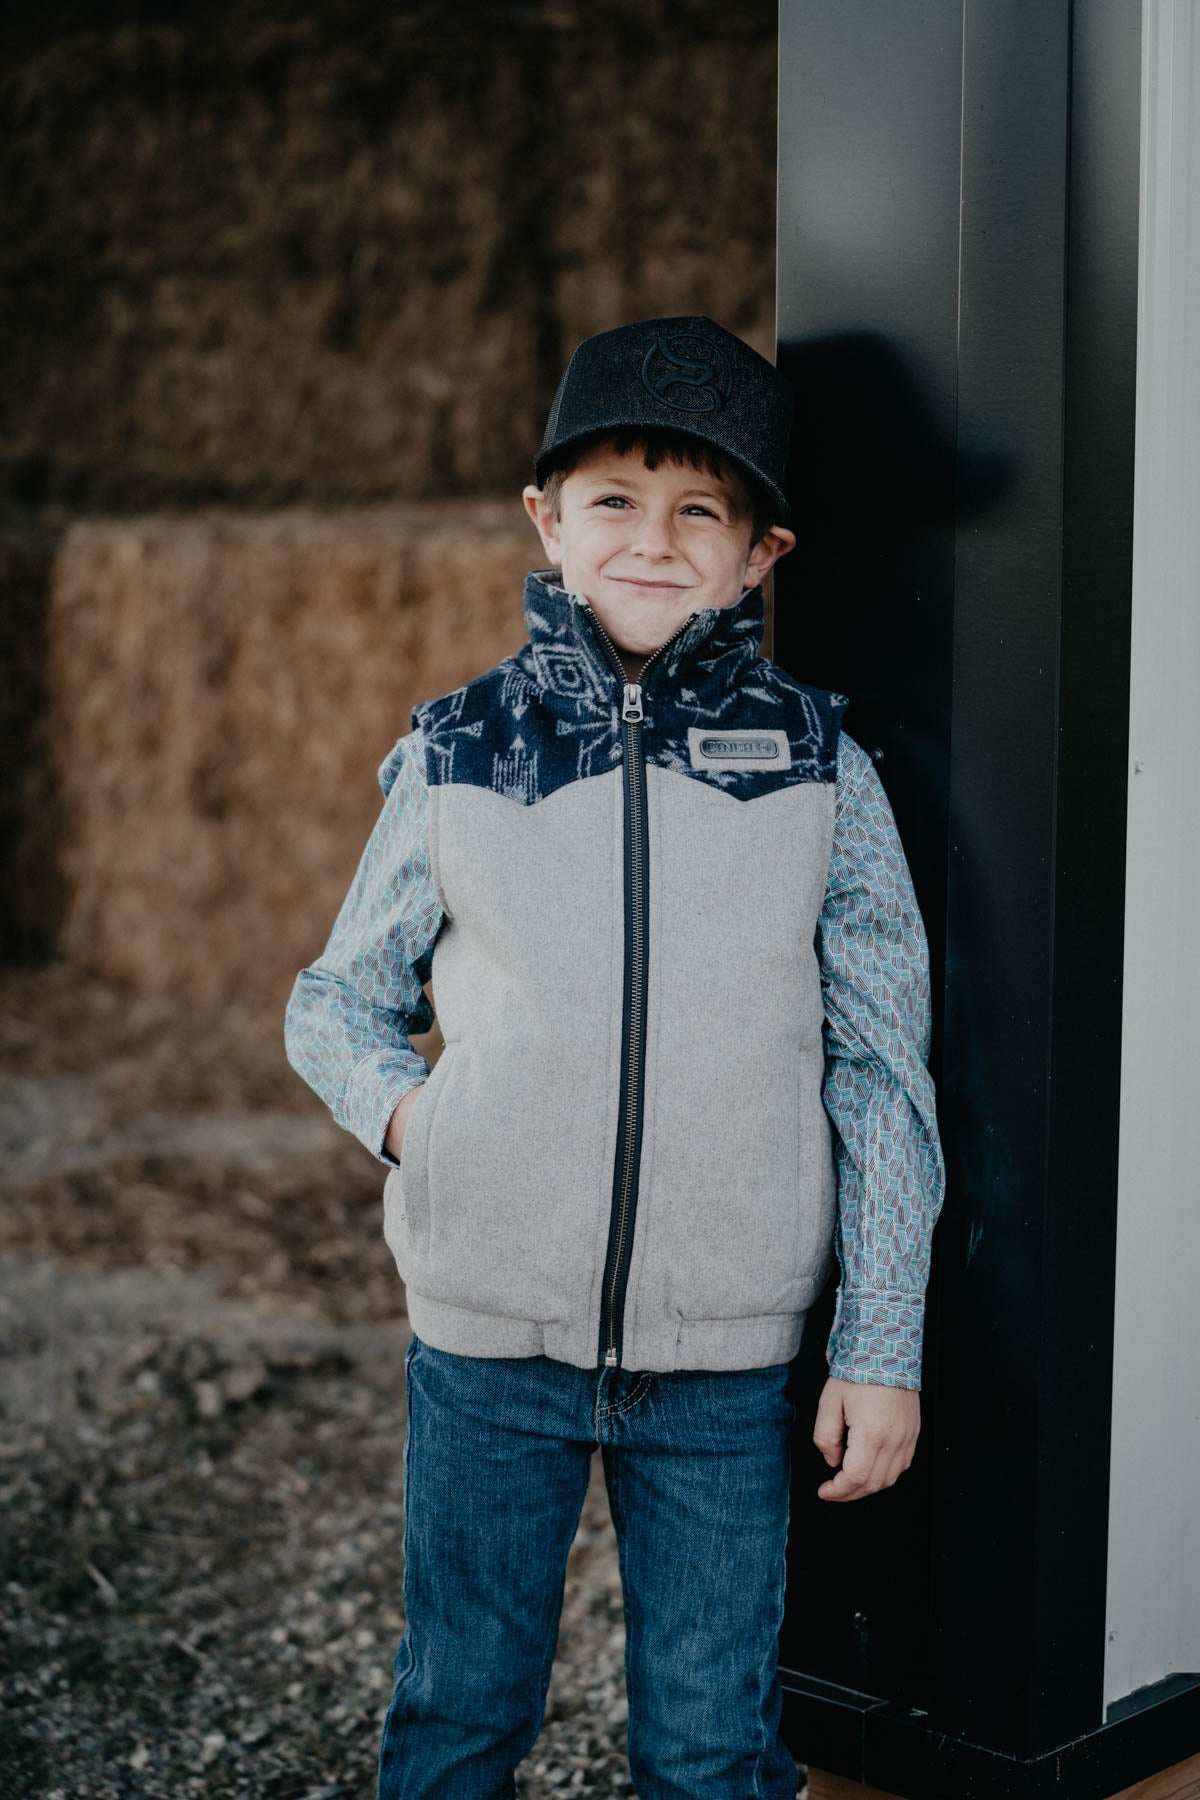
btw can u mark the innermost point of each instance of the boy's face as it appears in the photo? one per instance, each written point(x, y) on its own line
point(646, 547)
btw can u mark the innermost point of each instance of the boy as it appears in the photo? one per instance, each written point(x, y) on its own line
point(682, 980)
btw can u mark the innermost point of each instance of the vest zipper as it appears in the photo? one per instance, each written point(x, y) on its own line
point(633, 1034)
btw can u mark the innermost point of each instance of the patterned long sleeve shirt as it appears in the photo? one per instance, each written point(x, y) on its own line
point(352, 1012)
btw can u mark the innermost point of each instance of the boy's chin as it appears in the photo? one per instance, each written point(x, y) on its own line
point(629, 649)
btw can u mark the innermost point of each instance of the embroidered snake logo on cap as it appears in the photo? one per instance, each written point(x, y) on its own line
point(688, 373)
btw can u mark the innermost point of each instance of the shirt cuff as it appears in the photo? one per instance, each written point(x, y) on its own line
point(877, 1337)
point(375, 1089)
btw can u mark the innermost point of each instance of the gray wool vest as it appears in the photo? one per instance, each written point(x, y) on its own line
point(622, 1154)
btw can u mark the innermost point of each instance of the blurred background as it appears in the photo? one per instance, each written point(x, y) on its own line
point(285, 295)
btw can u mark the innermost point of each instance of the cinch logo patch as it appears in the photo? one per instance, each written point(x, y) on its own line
point(738, 749)
point(687, 373)
point(731, 746)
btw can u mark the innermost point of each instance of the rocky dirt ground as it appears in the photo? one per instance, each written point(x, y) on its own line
point(201, 1423)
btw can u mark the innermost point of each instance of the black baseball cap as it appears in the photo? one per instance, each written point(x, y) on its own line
point(685, 374)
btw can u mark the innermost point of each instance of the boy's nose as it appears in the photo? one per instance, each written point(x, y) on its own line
point(654, 537)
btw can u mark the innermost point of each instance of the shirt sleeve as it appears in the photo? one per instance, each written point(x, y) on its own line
point(347, 1026)
point(874, 961)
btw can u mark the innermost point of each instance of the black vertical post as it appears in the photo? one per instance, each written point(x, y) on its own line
point(957, 311)
point(870, 108)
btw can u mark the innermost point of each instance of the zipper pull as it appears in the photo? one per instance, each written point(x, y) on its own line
point(632, 708)
point(610, 1358)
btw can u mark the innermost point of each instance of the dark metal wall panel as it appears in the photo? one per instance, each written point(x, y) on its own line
point(995, 1100)
point(870, 105)
point(1079, 1242)
point(958, 265)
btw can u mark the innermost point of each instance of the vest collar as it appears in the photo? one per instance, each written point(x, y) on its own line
point(569, 659)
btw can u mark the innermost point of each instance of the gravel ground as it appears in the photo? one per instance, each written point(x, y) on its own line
point(202, 1344)
point(202, 1553)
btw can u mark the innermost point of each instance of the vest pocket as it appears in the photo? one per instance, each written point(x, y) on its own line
point(406, 1190)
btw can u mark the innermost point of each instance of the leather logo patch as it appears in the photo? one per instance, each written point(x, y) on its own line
point(746, 750)
point(688, 374)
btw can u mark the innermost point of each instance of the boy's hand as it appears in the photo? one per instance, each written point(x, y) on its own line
point(398, 1121)
point(879, 1426)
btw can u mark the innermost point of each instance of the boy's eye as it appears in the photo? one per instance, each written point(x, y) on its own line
point(619, 503)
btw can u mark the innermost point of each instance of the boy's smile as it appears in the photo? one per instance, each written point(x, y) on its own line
point(647, 547)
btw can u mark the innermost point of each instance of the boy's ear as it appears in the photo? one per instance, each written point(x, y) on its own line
point(773, 544)
point(539, 510)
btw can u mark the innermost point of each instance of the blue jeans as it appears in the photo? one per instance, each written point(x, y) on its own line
point(497, 1459)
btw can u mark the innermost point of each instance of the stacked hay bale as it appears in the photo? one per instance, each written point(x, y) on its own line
point(335, 252)
point(222, 689)
point(318, 268)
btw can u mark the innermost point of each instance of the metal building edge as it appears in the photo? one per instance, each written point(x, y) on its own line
point(994, 1619)
point(901, 1751)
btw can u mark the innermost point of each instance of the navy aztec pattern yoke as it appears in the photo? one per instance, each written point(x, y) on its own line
point(550, 715)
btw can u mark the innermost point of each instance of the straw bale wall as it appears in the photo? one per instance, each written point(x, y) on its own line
point(318, 266)
point(221, 691)
point(335, 251)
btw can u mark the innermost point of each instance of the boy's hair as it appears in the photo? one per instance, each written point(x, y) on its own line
point(677, 449)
